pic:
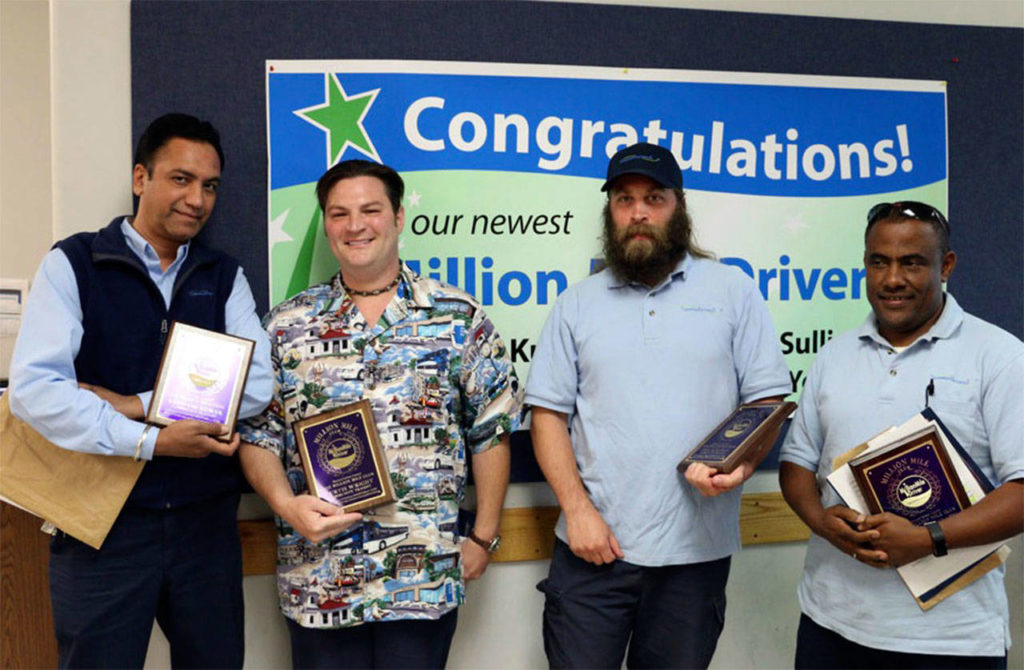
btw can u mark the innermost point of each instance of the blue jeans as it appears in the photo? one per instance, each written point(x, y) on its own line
point(385, 644)
point(819, 647)
point(182, 567)
point(668, 616)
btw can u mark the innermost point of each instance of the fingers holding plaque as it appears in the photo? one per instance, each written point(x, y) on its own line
point(742, 431)
point(342, 457)
point(202, 376)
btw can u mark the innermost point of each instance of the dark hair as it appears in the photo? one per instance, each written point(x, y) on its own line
point(167, 127)
point(910, 210)
point(393, 184)
point(692, 247)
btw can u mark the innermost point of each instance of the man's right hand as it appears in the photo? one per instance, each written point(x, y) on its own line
point(315, 519)
point(832, 525)
point(193, 439)
point(590, 538)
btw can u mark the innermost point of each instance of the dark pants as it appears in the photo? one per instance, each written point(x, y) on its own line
point(668, 617)
point(819, 647)
point(182, 567)
point(385, 644)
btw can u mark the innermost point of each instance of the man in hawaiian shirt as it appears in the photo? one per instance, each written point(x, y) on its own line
point(440, 381)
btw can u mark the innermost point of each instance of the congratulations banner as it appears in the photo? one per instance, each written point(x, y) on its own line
point(503, 164)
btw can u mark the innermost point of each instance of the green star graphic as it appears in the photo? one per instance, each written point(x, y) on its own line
point(341, 117)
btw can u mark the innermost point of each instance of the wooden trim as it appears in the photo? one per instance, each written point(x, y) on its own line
point(26, 620)
point(259, 547)
point(528, 532)
point(766, 518)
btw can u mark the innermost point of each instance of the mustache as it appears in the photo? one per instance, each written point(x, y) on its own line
point(645, 229)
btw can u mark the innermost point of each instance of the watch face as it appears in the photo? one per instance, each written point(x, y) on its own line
point(495, 543)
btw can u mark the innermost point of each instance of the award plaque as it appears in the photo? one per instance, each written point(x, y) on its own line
point(734, 438)
point(202, 376)
point(343, 459)
point(913, 478)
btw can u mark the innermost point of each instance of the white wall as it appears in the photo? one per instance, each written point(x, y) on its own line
point(26, 226)
point(81, 47)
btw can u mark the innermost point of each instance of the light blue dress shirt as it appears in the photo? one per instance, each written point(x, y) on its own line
point(858, 386)
point(644, 374)
point(44, 390)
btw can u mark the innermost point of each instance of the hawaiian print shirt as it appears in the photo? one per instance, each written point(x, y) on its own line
point(440, 380)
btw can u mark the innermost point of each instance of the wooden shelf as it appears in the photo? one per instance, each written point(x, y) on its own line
point(528, 532)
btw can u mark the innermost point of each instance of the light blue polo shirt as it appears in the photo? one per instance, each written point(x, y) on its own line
point(644, 375)
point(857, 387)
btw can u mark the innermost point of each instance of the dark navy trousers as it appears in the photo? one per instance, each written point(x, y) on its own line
point(181, 567)
point(819, 647)
point(384, 644)
point(668, 617)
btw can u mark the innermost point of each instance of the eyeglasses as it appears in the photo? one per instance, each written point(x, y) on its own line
point(907, 209)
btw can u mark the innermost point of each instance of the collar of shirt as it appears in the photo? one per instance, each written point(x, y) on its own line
point(682, 267)
point(141, 248)
point(950, 319)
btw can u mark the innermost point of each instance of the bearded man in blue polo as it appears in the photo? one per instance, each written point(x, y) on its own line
point(639, 361)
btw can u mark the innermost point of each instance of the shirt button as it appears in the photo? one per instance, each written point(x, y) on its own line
point(892, 372)
point(651, 312)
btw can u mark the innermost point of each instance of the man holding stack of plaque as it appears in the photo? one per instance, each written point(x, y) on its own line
point(642, 361)
point(82, 374)
point(918, 348)
point(384, 380)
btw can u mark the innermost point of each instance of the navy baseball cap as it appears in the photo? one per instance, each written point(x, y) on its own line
point(650, 160)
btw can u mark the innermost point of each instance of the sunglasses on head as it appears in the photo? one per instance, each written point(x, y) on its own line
point(907, 210)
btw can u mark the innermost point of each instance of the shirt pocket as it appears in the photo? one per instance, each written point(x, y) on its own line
point(960, 411)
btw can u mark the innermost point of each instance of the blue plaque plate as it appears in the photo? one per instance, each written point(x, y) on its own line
point(734, 438)
point(913, 479)
point(342, 457)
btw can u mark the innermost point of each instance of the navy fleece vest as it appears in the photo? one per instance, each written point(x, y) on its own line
point(125, 324)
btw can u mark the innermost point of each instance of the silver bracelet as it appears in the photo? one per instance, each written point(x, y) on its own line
point(142, 438)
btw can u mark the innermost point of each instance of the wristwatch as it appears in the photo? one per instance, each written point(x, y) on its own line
point(938, 538)
point(491, 546)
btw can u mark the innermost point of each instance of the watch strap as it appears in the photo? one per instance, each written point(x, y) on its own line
point(939, 547)
point(490, 547)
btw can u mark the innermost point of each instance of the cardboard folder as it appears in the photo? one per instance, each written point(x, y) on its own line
point(79, 493)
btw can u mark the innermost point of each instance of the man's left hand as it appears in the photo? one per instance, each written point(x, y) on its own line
point(901, 540)
point(474, 560)
point(711, 483)
point(129, 405)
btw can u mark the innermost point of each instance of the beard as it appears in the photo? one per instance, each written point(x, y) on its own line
point(650, 258)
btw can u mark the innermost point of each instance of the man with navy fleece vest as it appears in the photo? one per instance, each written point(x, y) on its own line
point(82, 374)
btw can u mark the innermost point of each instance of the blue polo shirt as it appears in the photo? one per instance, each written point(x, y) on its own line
point(857, 387)
point(644, 375)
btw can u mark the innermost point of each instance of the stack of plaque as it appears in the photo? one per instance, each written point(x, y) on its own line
point(919, 471)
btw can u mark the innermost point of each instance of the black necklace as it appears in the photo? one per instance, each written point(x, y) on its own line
point(376, 291)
